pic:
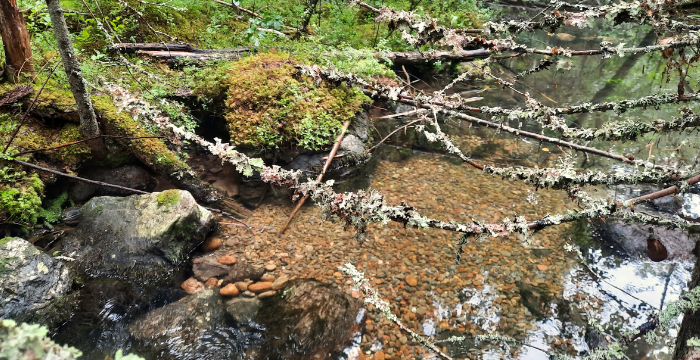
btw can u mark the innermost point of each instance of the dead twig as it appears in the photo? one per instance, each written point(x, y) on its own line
point(320, 176)
point(392, 133)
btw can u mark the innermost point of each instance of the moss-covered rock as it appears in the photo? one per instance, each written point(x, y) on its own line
point(151, 151)
point(136, 237)
point(34, 287)
point(267, 104)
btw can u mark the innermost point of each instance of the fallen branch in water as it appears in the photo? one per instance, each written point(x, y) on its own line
point(320, 176)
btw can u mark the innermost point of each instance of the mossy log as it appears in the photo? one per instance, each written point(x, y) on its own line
point(152, 152)
point(174, 53)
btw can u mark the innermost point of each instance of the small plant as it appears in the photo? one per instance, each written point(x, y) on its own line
point(168, 198)
point(25, 341)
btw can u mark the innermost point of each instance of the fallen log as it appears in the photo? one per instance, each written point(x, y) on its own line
point(174, 53)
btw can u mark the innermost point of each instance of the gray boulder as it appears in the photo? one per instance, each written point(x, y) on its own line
point(138, 238)
point(34, 287)
point(352, 143)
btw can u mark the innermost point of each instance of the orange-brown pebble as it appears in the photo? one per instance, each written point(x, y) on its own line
point(242, 286)
point(268, 278)
point(227, 260)
point(411, 280)
point(379, 355)
point(260, 287)
point(211, 282)
point(542, 267)
point(229, 290)
point(211, 244)
point(192, 285)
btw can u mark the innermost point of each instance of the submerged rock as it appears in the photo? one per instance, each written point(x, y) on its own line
point(140, 237)
point(34, 287)
point(180, 326)
point(310, 319)
point(630, 240)
point(243, 310)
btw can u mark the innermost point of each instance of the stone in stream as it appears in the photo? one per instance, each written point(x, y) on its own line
point(241, 272)
point(180, 327)
point(34, 287)
point(630, 240)
point(206, 267)
point(312, 318)
point(139, 238)
point(243, 310)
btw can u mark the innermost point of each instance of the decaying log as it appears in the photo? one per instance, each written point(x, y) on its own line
point(174, 53)
point(15, 94)
point(417, 57)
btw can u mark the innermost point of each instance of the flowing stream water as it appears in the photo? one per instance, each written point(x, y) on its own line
point(530, 289)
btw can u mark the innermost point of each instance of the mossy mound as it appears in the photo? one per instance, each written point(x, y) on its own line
point(267, 104)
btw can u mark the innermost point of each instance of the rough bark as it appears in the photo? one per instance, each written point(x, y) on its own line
point(88, 121)
point(15, 39)
point(690, 327)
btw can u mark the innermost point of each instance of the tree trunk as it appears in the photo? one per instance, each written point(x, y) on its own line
point(15, 39)
point(88, 122)
point(310, 10)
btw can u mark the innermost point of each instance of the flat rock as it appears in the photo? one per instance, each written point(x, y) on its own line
point(280, 283)
point(260, 287)
point(241, 272)
point(206, 267)
point(229, 290)
point(227, 260)
point(267, 294)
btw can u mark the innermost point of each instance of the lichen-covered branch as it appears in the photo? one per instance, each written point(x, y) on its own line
point(566, 175)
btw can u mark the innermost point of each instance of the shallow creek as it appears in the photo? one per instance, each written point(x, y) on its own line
point(530, 289)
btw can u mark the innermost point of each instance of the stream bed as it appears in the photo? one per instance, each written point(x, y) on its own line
point(532, 290)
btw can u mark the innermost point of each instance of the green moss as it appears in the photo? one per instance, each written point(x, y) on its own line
point(20, 197)
point(5, 240)
point(152, 151)
point(168, 198)
point(267, 104)
point(71, 155)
